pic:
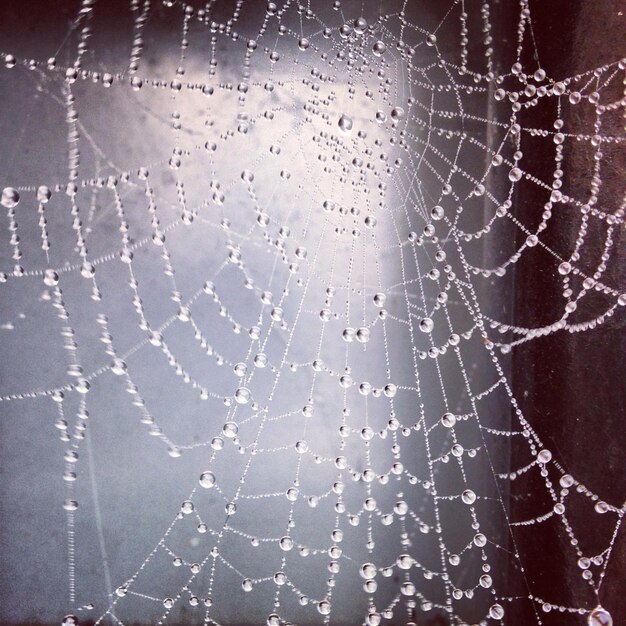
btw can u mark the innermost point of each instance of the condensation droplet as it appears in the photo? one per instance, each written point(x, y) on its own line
point(368, 571)
point(51, 278)
point(207, 479)
point(426, 325)
point(379, 48)
point(286, 543)
point(242, 395)
point(345, 123)
point(599, 617)
point(468, 496)
point(43, 194)
point(10, 197)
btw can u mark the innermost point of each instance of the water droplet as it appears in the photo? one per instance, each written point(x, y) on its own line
point(544, 456)
point(345, 123)
point(207, 479)
point(407, 589)
point(599, 617)
point(230, 430)
point(379, 48)
point(404, 561)
point(118, 367)
point(349, 334)
point(286, 543)
point(242, 395)
point(51, 278)
point(601, 507)
point(368, 571)
point(565, 268)
point(87, 270)
point(174, 452)
point(426, 325)
point(437, 212)
point(397, 113)
point(448, 420)
point(43, 194)
point(468, 496)
point(390, 390)
point(363, 335)
point(379, 299)
point(82, 386)
point(260, 360)
point(10, 197)
point(360, 25)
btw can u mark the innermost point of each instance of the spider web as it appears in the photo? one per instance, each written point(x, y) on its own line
point(275, 271)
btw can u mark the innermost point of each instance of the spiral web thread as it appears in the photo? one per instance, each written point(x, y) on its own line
point(351, 169)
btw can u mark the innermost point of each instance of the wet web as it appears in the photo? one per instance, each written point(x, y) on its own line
point(296, 294)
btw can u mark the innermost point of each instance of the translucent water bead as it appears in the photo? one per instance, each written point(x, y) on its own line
point(10, 197)
point(345, 123)
point(599, 617)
